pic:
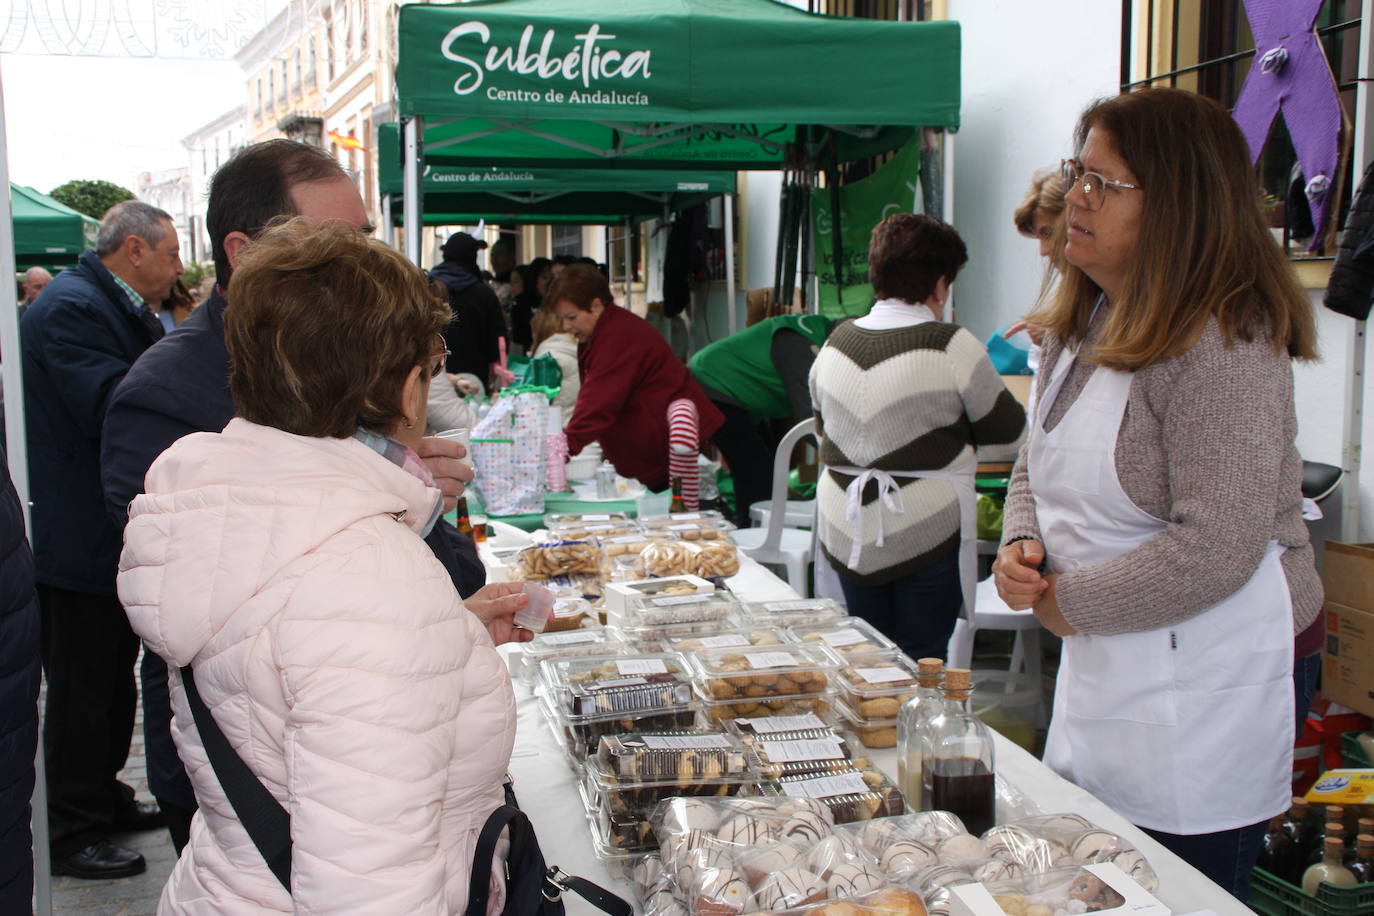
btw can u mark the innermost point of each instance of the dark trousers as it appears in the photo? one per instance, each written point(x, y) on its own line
point(1227, 857)
point(167, 779)
point(750, 458)
point(89, 653)
point(917, 612)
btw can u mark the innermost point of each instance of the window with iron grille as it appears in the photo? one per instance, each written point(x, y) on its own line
point(1206, 46)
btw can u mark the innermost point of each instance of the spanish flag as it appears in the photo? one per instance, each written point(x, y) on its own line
point(349, 142)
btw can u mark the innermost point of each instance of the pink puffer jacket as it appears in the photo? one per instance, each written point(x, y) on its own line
point(338, 660)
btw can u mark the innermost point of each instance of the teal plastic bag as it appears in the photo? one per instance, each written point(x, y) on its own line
point(539, 372)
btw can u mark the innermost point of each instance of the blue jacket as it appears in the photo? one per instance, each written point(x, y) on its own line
point(78, 340)
point(18, 701)
point(179, 387)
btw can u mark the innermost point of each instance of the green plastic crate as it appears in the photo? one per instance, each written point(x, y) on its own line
point(1354, 754)
point(1274, 896)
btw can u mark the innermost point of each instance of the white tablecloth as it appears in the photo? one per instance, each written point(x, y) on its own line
point(547, 790)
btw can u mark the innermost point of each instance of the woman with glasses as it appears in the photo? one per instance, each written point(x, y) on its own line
point(1154, 519)
point(282, 560)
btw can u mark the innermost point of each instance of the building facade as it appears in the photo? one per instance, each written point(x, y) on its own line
point(207, 148)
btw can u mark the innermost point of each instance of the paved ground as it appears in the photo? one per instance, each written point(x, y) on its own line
point(135, 896)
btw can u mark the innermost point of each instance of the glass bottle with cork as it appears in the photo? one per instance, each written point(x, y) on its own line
point(1334, 830)
point(1330, 870)
point(1299, 826)
point(957, 758)
point(919, 709)
point(1363, 865)
point(1279, 855)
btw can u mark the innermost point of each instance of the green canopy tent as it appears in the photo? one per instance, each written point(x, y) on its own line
point(47, 233)
point(465, 194)
point(671, 84)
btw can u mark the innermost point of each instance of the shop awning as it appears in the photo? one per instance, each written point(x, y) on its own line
point(713, 84)
point(46, 232)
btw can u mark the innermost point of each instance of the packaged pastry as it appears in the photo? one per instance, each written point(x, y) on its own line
point(747, 674)
point(802, 751)
point(668, 558)
point(550, 559)
point(849, 637)
point(794, 612)
point(627, 683)
point(665, 609)
point(873, 731)
point(875, 686)
point(569, 613)
point(855, 793)
point(1088, 889)
point(554, 519)
point(738, 637)
point(816, 705)
point(763, 726)
point(715, 560)
point(691, 526)
point(622, 594)
point(579, 734)
point(572, 531)
point(524, 662)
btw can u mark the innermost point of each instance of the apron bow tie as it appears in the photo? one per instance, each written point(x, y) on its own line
point(853, 508)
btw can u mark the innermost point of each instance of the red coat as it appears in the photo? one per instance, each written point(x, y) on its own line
point(629, 377)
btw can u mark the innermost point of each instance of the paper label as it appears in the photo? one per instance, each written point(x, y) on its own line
point(884, 675)
point(680, 599)
point(595, 528)
point(844, 638)
point(793, 606)
point(596, 518)
point(619, 682)
point(684, 527)
point(812, 749)
point(572, 639)
point(684, 516)
point(675, 742)
point(641, 666)
point(826, 786)
point(770, 724)
point(568, 607)
point(625, 539)
point(770, 659)
point(726, 639)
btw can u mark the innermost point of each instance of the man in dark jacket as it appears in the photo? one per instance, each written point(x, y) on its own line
point(478, 325)
point(18, 701)
point(181, 386)
point(78, 340)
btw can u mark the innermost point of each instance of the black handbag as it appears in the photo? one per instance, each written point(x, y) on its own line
point(532, 889)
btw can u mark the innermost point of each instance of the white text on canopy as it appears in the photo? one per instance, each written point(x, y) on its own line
point(586, 62)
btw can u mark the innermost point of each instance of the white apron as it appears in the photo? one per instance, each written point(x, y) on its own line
point(1185, 729)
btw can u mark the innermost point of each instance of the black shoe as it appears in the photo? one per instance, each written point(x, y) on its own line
point(102, 859)
point(138, 816)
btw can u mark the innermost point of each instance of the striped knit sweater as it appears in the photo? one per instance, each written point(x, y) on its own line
point(907, 399)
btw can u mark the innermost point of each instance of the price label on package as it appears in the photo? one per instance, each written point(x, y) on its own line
point(685, 516)
point(724, 641)
point(641, 666)
point(814, 749)
point(574, 638)
point(770, 659)
point(596, 518)
point(844, 638)
point(826, 786)
point(886, 674)
point(683, 742)
point(681, 599)
point(793, 606)
point(618, 682)
point(767, 725)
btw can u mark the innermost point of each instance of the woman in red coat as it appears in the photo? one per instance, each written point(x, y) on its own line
point(629, 377)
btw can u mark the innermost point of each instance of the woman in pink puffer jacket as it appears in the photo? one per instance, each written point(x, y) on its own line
point(283, 559)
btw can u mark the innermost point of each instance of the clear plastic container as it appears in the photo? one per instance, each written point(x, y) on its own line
point(847, 637)
point(737, 638)
point(524, 663)
point(854, 793)
point(553, 519)
point(691, 526)
point(579, 735)
point(715, 560)
point(621, 552)
point(763, 726)
point(551, 559)
point(874, 732)
point(576, 531)
point(659, 610)
point(569, 613)
point(757, 674)
point(810, 750)
point(664, 519)
point(668, 558)
point(654, 638)
point(876, 686)
point(795, 612)
point(620, 684)
point(683, 757)
point(819, 705)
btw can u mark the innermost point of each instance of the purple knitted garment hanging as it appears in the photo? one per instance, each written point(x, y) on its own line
point(1291, 73)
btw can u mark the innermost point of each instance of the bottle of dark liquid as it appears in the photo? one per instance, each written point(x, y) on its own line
point(678, 504)
point(956, 758)
point(1279, 855)
point(1362, 866)
point(1299, 826)
point(464, 522)
point(1335, 830)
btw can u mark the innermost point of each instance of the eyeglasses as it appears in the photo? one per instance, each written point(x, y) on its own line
point(440, 358)
point(1094, 185)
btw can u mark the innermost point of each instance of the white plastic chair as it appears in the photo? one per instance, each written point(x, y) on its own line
point(799, 513)
point(991, 613)
point(776, 543)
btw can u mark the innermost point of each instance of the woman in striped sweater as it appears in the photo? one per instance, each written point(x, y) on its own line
point(902, 400)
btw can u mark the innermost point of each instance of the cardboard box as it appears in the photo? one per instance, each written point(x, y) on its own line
point(1348, 657)
point(976, 900)
point(617, 593)
point(1343, 787)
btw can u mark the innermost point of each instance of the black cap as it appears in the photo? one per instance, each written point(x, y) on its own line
point(462, 248)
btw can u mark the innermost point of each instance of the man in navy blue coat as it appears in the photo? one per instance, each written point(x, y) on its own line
point(78, 340)
point(18, 701)
point(181, 386)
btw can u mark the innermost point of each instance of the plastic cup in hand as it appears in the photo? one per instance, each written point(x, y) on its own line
point(459, 435)
point(535, 615)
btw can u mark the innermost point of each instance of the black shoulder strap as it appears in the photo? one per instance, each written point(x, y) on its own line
point(267, 823)
point(482, 855)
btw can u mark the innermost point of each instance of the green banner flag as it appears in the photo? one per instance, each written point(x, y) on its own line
point(863, 204)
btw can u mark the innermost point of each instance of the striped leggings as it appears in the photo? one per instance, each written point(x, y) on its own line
point(683, 447)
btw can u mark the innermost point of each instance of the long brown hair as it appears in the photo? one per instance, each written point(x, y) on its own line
point(1204, 249)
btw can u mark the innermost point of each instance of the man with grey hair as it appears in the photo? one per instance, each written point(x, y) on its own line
point(35, 278)
point(77, 341)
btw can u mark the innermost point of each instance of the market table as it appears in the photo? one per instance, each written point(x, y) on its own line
point(548, 792)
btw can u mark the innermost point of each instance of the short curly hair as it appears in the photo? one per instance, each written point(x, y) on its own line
point(909, 253)
point(324, 324)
